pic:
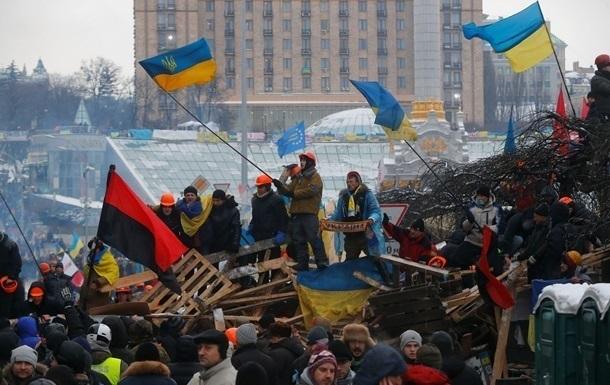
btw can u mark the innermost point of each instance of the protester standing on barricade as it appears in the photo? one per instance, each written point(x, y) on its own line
point(11, 288)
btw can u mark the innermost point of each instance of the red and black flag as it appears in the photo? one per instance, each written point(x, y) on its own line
point(130, 226)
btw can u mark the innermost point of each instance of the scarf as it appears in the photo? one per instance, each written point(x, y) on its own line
point(352, 209)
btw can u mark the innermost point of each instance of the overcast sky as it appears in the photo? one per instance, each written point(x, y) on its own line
point(65, 32)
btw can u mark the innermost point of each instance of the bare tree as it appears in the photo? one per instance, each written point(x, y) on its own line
point(100, 76)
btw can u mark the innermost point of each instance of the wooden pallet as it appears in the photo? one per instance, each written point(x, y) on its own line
point(202, 287)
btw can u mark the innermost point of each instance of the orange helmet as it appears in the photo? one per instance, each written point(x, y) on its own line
point(36, 292)
point(8, 287)
point(263, 179)
point(231, 334)
point(123, 290)
point(566, 201)
point(167, 199)
point(309, 155)
point(44, 268)
point(437, 261)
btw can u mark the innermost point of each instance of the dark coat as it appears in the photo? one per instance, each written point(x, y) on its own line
point(120, 339)
point(147, 372)
point(558, 242)
point(172, 221)
point(182, 372)
point(600, 88)
point(249, 353)
point(535, 247)
point(269, 216)
point(459, 373)
point(47, 306)
point(10, 259)
point(283, 354)
point(54, 284)
point(225, 227)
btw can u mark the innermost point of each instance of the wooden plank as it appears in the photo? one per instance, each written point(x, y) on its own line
point(256, 289)
point(371, 282)
point(499, 365)
point(417, 266)
point(402, 296)
point(130, 280)
point(244, 250)
point(409, 307)
point(413, 318)
point(254, 305)
point(127, 308)
point(239, 301)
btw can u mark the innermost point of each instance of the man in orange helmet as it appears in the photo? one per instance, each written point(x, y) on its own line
point(11, 289)
point(167, 212)
point(269, 216)
point(305, 189)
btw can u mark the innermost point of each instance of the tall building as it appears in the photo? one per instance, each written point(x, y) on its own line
point(300, 55)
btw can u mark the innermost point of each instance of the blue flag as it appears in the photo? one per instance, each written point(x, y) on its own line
point(509, 144)
point(292, 140)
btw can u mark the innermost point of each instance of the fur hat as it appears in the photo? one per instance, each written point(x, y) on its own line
point(147, 351)
point(357, 332)
point(429, 355)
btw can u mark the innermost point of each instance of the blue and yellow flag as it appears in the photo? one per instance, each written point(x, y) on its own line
point(522, 37)
point(334, 293)
point(75, 246)
point(388, 112)
point(182, 67)
point(105, 265)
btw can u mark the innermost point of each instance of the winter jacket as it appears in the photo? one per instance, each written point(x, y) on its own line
point(172, 221)
point(269, 216)
point(348, 380)
point(490, 215)
point(304, 379)
point(305, 190)
point(415, 249)
point(600, 88)
point(459, 373)
point(191, 210)
point(223, 373)
point(182, 372)
point(27, 330)
point(225, 227)
point(54, 284)
point(148, 373)
point(120, 339)
point(284, 353)
point(367, 207)
point(100, 354)
point(424, 375)
point(298, 366)
point(249, 353)
point(39, 371)
point(10, 259)
point(47, 306)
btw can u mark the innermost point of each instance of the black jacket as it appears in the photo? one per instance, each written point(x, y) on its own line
point(182, 372)
point(284, 353)
point(120, 338)
point(225, 227)
point(54, 283)
point(559, 240)
point(10, 259)
point(172, 221)
point(249, 353)
point(600, 88)
point(459, 373)
point(269, 215)
point(536, 247)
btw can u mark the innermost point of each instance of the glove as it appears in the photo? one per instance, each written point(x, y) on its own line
point(386, 219)
point(470, 216)
point(66, 295)
point(531, 260)
point(278, 184)
point(279, 238)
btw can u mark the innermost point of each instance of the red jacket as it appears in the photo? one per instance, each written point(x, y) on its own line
point(414, 249)
point(424, 375)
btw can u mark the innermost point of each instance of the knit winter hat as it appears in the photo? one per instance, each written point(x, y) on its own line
point(379, 362)
point(317, 334)
point(418, 225)
point(251, 373)
point(61, 375)
point(246, 334)
point(318, 358)
point(280, 329)
point(74, 356)
point(147, 351)
point(24, 353)
point(190, 189)
point(484, 191)
point(340, 350)
point(410, 336)
point(429, 355)
point(443, 341)
point(41, 381)
point(219, 194)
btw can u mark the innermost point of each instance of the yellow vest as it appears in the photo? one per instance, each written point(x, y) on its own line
point(111, 368)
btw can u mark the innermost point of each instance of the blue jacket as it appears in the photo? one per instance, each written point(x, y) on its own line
point(370, 210)
point(191, 210)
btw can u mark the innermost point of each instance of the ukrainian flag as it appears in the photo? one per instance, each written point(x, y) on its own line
point(182, 67)
point(388, 112)
point(75, 246)
point(334, 293)
point(522, 37)
point(105, 265)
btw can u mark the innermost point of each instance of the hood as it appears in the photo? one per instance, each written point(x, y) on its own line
point(559, 213)
point(603, 74)
point(425, 375)
point(308, 172)
point(54, 340)
point(75, 356)
point(9, 341)
point(186, 350)
point(229, 202)
point(305, 378)
point(379, 362)
point(490, 202)
point(453, 366)
point(291, 345)
point(37, 284)
point(120, 338)
point(443, 341)
point(146, 368)
point(26, 327)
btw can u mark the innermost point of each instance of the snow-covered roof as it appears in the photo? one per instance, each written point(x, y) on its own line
point(357, 121)
point(566, 297)
point(600, 294)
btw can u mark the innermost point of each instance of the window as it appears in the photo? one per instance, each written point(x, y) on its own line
point(456, 18)
point(268, 65)
point(362, 5)
point(324, 5)
point(229, 25)
point(344, 83)
point(343, 5)
point(209, 5)
point(306, 82)
point(210, 24)
point(249, 63)
point(249, 43)
point(307, 62)
point(268, 83)
point(344, 24)
point(268, 43)
point(362, 25)
point(401, 5)
point(287, 63)
point(230, 64)
point(324, 63)
point(362, 44)
point(286, 6)
point(249, 6)
point(306, 5)
point(401, 63)
point(325, 83)
point(382, 62)
point(305, 43)
point(230, 44)
point(343, 44)
point(229, 6)
point(212, 44)
point(287, 83)
point(344, 63)
point(381, 25)
point(249, 25)
point(402, 82)
point(166, 41)
point(381, 5)
point(230, 81)
point(401, 44)
point(325, 44)
point(401, 24)
point(166, 20)
point(383, 80)
point(286, 25)
point(286, 44)
point(382, 43)
point(268, 24)
point(324, 25)
point(363, 63)
point(250, 83)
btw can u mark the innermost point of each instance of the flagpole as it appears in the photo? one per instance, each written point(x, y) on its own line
point(21, 232)
point(215, 134)
point(563, 79)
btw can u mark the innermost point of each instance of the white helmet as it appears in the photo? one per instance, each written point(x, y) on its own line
point(99, 334)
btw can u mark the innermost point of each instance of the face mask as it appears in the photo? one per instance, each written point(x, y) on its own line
point(480, 202)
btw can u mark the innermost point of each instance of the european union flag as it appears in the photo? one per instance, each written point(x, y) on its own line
point(292, 140)
point(182, 67)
